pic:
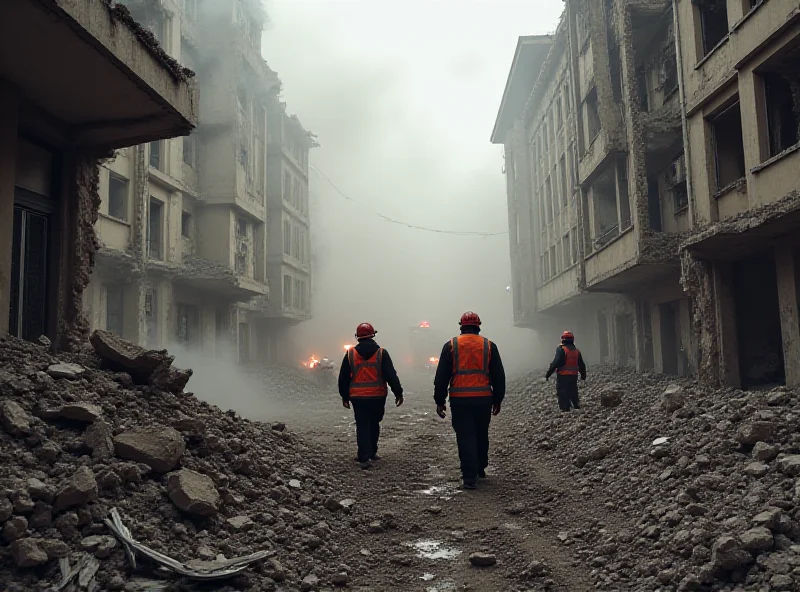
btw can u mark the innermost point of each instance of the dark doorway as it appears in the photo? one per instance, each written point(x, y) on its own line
point(653, 204)
point(647, 325)
point(602, 332)
point(32, 243)
point(624, 339)
point(758, 320)
point(669, 338)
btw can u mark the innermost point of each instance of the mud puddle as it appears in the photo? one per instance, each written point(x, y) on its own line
point(430, 549)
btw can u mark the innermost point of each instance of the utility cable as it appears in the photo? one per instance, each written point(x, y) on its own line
point(323, 176)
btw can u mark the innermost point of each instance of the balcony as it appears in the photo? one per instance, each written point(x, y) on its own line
point(558, 289)
point(208, 276)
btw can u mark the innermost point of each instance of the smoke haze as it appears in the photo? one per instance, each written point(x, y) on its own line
point(402, 96)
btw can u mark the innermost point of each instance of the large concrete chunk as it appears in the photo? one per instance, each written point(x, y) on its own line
point(170, 379)
point(193, 492)
point(26, 553)
point(15, 419)
point(99, 437)
point(124, 356)
point(81, 488)
point(85, 412)
point(160, 448)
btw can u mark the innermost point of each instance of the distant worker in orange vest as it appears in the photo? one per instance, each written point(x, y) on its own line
point(363, 377)
point(471, 370)
point(567, 364)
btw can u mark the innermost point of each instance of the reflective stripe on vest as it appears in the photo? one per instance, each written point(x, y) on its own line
point(366, 376)
point(570, 367)
point(471, 355)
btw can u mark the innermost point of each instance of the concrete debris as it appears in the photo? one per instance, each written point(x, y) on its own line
point(160, 448)
point(712, 505)
point(65, 370)
point(144, 366)
point(60, 478)
point(482, 559)
point(193, 492)
point(611, 395)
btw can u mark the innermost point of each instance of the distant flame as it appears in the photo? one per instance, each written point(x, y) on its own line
point(434, 360)
point(311, 362)
point(348, 347)
point(424, 325)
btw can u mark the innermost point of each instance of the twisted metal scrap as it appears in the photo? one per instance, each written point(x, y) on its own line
point(216, 570)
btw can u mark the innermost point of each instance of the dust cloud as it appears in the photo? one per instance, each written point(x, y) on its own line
point(403, 97)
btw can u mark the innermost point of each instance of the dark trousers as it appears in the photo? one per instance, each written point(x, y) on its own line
point(567, 391)
point(471, 423)
point(369, 413)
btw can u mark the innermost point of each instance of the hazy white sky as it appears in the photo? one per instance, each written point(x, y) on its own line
point(403, 96)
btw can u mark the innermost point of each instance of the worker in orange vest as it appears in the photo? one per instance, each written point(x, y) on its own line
point(567, 364)
point(363, 377)
point(471, 372)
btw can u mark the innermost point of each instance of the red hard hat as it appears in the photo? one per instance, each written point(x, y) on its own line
point(567, 335)
point(470, 318)
point(365, 331)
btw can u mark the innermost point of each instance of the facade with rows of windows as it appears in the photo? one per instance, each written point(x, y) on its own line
point(187, 226)
point(651, 160)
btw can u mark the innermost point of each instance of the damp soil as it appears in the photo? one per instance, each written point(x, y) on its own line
point(416, 528)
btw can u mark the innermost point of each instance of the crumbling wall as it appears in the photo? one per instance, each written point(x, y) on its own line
point(81, 209)
point(698, 282)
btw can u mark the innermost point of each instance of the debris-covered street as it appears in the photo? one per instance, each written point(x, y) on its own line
point(652, 486)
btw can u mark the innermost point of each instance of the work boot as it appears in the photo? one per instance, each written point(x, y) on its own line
point(482, 474)
point(375, 458)
point(365, 465)
point(470, 484)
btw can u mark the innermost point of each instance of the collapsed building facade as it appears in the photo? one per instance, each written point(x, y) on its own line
point(78, 80)
point(652, 158)
point(188, 232)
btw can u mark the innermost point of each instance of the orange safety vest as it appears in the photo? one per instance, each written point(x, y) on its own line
point(570, 367)
point(366, 376)
point(471, 355)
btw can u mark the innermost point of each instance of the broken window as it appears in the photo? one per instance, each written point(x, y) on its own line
point(604, 204)
point(592, 116)
point(114, 308)
point(642, 90)
point(186, 224)
point(287, 291)
point(669, 74)
point(118, 197)
point(783, 111)
point(622, 193)
point(728, 143)
point(156, 155)
point(155, 223)
point(189, 151)
point(574, 237)
point(564, 189)
point(676, 183)
point(713, 22)
point(287, 186)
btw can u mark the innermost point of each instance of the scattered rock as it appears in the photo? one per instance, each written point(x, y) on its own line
point(160, 448)
point(15, 419)
point(100, 546)
point(757, 431)
point(99, 437)
point(66, 370)
point(756, 469)
point(193, 492)
point(765, 452)
point(611, 395)
point(790, 465)
point(79, 489)
point(482, 559)
point(240, 523)
point(673, 398)
point(728, 554)
point(85, 412)
point(15, 528)
point(757, 540)
point(26, 553)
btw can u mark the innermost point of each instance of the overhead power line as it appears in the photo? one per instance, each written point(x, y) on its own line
point(391, 220)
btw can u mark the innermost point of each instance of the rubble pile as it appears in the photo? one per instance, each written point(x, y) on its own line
point(708, 480)
point(83, 434)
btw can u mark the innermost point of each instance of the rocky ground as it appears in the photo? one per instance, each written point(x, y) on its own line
point(654, 485)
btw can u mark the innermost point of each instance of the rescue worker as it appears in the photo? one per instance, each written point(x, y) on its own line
point(567, 364)
point(471, 370)
point(365, 372)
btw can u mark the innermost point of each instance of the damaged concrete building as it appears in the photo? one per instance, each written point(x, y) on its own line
point(78, 80)
point(634, 219)
point(185, 224)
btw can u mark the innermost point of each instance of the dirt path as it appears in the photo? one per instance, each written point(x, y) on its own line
point(416, 528)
